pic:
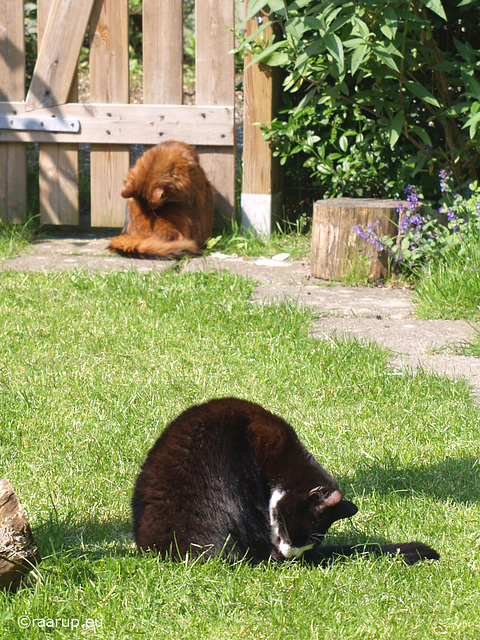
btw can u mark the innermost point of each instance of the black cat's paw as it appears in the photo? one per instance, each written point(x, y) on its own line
point(412, 552)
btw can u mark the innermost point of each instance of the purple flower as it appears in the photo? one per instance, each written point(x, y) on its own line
point(359, 231)
point(403, 222)
point(416, 220)
point(411, 197)
point(451, 214)
point(443, 175)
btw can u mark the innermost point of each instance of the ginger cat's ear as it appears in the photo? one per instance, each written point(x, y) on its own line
point(157, 195)
point(129, 189)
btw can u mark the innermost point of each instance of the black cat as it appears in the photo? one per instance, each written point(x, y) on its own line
point(230, 478)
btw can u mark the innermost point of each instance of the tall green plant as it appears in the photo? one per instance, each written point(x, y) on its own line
point(409, 66)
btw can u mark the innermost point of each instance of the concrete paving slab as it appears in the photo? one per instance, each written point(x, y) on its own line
point(375, 313)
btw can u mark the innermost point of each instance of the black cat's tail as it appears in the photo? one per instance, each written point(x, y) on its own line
point(410, 552)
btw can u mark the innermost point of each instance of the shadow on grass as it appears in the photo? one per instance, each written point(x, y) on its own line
point(95, 538)
point(457, 480)
point(73, 545)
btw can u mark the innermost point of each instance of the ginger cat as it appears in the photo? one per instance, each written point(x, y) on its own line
point(170, 204)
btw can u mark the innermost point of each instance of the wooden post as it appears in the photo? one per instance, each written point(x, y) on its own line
point(215, 85)
point(162, 52)
point(58, 163)
point(261, 199)
point(334, 242)
point(18, 550)
point(109, 82)
point(13, 164)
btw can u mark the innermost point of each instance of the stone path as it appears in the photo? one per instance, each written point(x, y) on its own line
point(381, 314)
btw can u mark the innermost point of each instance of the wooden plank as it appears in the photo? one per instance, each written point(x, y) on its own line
point(162, 52)
point(58, 53)
point(335, 245)
point(58, 164)
point(13, 176)
point(215, 84)
point(261, 172)
point(131, 124)
point(109, 82)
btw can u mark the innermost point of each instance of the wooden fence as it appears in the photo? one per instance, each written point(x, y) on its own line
point(51, 114)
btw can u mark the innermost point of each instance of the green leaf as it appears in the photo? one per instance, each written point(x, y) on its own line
point(391, 23)
point(276, 5)
point(396, 128)
point(254, 6)
point(359, 55)
point(258, 31)
point(315, 23)
point(465, 50)
point(306, 99)
point(266, 56)
point(473, 123)
point(436, 6)
point(422, 134)
point(385, 56)
point(420, 92)
point(360, 27)
point(335, 48)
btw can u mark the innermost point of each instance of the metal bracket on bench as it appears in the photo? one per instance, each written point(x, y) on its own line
point(37, 123)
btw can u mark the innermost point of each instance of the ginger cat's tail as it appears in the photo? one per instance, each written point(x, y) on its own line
point(141, 246)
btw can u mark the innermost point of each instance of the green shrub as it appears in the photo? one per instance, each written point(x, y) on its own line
point(374, 89)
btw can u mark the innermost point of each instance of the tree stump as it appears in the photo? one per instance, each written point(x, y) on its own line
point(18, 550)
point(336, 246)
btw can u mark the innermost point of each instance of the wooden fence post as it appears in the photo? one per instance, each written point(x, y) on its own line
point(261, 199)
point(58, 163)
point(162, 52)
point(215, 85)
point(109, 82)
point(13, 163)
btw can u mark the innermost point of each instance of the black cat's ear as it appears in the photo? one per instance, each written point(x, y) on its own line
point(345, 509)
point(328, 497)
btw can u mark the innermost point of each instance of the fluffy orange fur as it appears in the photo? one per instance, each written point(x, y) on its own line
point(170, 204)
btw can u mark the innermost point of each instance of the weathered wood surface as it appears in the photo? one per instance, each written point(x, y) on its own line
point(215, 85)
point(261, 180)
point(109, 82)
point(104, 123)
point(58, 54)
point(261, 89)
point(18, 549)
point(162, 52)
point(58, 163)
point(109, 123)
point(13, 163)
point(334, 242)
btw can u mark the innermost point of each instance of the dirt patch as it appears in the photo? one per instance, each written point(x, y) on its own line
point(377, 313)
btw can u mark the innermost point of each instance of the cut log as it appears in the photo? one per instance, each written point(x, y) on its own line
point(18, 550)
point(335, 245)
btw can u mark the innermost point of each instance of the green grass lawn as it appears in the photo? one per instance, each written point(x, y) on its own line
point(15, 238)
point(92, 367)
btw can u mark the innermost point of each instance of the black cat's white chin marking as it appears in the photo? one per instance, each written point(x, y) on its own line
point(279, 537)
